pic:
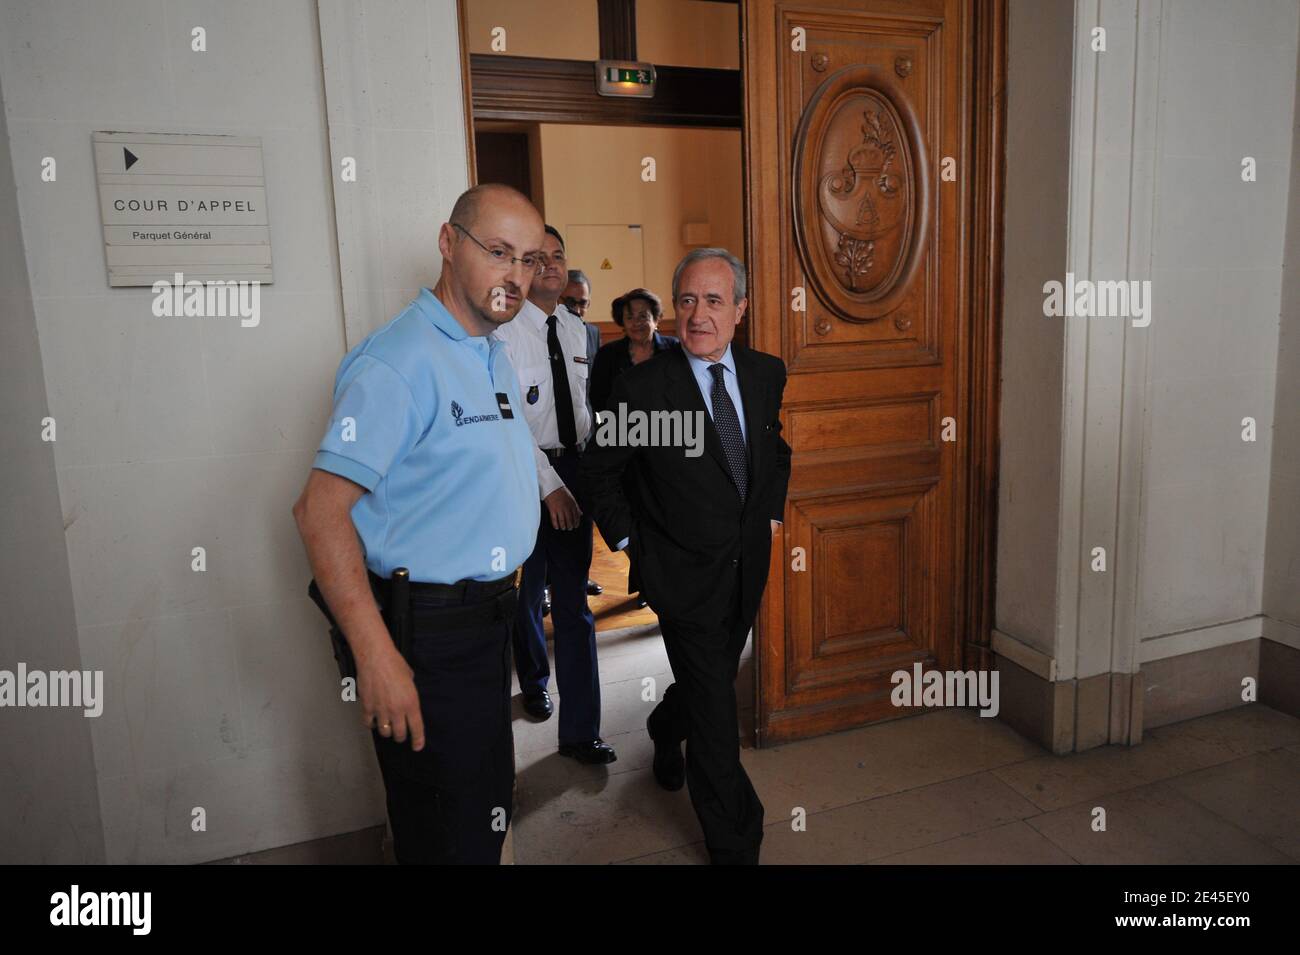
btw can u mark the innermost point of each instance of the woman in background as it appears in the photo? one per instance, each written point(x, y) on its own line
point(638, 313)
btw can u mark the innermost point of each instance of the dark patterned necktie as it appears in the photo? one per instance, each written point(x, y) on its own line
point(560, 382)
point(727, 422)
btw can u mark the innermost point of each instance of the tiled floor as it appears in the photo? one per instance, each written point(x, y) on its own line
point(945, 787)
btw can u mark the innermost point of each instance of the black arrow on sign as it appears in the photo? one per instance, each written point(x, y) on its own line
point(130, 157)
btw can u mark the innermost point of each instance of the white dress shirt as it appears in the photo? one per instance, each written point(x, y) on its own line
point(525, 340)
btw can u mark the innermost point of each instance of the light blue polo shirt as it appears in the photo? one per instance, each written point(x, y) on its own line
point(417, 423)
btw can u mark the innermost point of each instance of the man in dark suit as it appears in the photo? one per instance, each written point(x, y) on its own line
point(693, 527)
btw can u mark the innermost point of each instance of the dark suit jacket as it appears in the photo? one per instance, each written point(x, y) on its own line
point(611, 361)
point(593, 346)
point(684, 516)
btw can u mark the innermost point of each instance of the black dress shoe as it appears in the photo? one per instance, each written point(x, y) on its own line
point(539, 706)
point(669, 766)
point(594, 589)
point(592, 751)
point(546, 602)
point(641, 602)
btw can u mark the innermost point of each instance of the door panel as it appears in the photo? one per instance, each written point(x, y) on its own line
point(845, 143)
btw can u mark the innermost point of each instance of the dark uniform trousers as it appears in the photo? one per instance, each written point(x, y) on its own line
point(564, 557)
point(450, 803)
point(700, 708)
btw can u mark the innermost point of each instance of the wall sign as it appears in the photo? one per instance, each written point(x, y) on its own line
point(182, 203)
point(625, 78)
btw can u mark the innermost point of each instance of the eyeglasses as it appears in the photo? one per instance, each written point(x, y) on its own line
point(572, 302)
point(532, 262)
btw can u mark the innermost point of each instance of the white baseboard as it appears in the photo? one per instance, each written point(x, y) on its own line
point(1023, 655)
point(1200, 638)
point(1163, 646)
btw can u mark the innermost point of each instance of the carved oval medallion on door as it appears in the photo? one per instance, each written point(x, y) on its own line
point(862, 193)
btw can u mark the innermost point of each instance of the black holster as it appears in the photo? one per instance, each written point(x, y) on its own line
point(395, 607)
point(342, 652)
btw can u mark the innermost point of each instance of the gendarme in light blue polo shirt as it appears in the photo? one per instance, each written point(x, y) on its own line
point(452, 480)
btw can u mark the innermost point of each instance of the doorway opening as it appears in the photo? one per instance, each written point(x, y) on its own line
point(631, 184)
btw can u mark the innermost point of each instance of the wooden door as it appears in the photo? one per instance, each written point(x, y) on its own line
point(502, 156)
point(872, 190)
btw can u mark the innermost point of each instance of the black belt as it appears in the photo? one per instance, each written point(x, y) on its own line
point(466, 592)
point(480, 602)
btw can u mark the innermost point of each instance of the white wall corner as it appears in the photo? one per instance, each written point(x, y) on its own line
point(1105, 379)
point(1280, 631)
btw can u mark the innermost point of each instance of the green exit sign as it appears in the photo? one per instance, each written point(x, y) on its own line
point(617, 75)
point(625, 78)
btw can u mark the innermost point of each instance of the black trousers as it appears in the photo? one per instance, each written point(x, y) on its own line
point(450, 803)
point(564, 557)
point(700, 708)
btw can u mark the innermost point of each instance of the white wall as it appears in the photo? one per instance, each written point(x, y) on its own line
point(1227, 88)
point(1145, 436)
point(176, 433)
point(1040, 35)
point(49, 804)
point(395, 105)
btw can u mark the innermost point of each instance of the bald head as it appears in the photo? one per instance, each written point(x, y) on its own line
point(484, 281)
point(469, 207)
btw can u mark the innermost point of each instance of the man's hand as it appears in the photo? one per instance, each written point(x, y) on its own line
point(385, 684)
point(565, 513)
point(389, 700)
